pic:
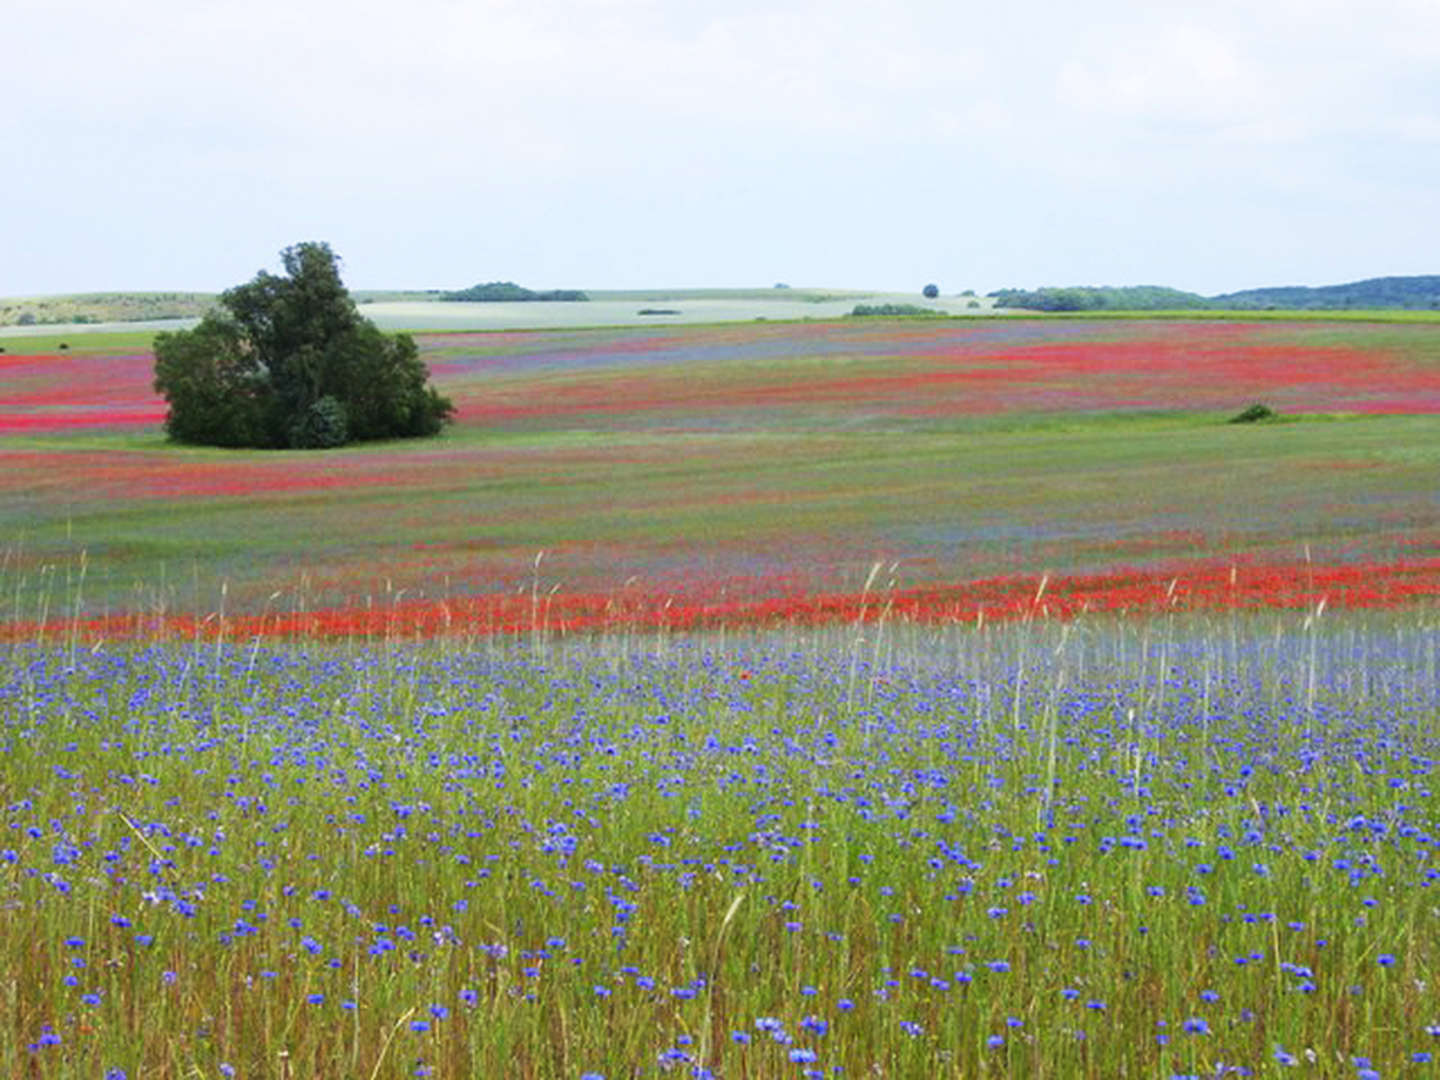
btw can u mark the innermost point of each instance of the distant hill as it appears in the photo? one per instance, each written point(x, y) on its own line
point(502, 291)
point(103, 308)
point(1384, 292)
point(1410, 293)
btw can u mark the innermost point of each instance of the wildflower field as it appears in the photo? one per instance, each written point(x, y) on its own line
point(815, 699)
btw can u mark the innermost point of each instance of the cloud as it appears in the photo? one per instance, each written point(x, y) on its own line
point(1180, 74)
point(150, 130)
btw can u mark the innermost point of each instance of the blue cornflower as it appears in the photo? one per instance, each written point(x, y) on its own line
point(1196, 1025)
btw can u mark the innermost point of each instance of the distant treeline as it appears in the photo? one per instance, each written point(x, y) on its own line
point(863, 310)
point(496, 291)
point(1422, 292)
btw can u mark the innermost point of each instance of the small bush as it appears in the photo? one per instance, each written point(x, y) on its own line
point(1254, 414)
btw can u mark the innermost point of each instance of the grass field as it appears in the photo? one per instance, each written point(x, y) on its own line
point(776, 700)
point(1175, 847)
point(746, 462)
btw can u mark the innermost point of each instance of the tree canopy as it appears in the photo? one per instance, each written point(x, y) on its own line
point(288, 362)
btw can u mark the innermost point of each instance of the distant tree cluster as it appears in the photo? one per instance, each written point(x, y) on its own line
point(863, 310)
point(288, 362)
point(1100, 298)
point(496, 291)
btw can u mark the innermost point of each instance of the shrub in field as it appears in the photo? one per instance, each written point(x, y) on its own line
point(1254, 414)
point(289, 362)
point(930, 292)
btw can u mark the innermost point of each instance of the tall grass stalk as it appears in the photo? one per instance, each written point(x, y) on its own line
point(1193, 840)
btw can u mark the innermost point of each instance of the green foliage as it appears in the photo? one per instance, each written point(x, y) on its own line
point(1254, 414)
point(497, 291)
point(1092, 298)
point(930, 292)
point(864, 310)
point(321, 426)
point(216, 386)
point(289, 362)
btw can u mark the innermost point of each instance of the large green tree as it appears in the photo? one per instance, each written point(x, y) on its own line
point(289, 362)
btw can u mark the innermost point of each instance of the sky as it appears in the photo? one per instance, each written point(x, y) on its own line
point(1215, 146)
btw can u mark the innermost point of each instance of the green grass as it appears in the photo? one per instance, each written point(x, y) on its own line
point(749, 455)
point(79, 340)
point(581, 858)
point(605, 853)
point(981, 497)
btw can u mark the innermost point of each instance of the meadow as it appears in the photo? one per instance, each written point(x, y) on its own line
point(796, 699)
point(715, 473)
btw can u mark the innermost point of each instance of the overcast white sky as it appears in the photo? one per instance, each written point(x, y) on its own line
point(1211, 146)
